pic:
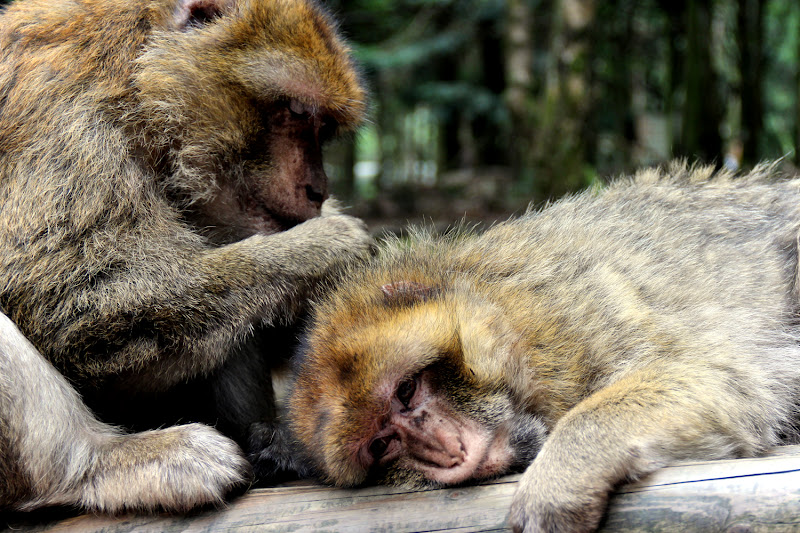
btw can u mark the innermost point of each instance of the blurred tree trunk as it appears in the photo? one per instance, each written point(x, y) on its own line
point(702, 112)
point(575, 62)
point(579, 16)
point(486, 131)
point(561, 132)
point(451, 153)
point(676, 30)
point(616, 106)
point(389, 131)
point(348, 188)
point(750, 20)
point(519, 80)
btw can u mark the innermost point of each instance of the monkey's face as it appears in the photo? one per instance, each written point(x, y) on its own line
point(278, 181)
point(407, 394)
point(237, 104)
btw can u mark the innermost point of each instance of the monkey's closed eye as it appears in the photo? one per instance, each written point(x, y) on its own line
point(379, 446)
point(406, 390)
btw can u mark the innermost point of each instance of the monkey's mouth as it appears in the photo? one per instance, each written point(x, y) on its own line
point(314, 197)
point(269, 214)
point(481, 456)
point(235, 215)
point(261, 219)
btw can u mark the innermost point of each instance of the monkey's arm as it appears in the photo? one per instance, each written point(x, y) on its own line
point(642, 422)
point(163, 319)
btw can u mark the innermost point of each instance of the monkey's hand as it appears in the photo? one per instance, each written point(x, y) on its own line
point(288, 268)
point(554, 497)
point(274, 457)
point(332, 206)
point(325, 242)
point(588, 452)
point(620, 433)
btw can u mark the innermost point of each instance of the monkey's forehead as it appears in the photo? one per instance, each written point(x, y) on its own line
point(354, 366)
point(276, 49)
point(388, 344)
point(293, 49)
point(344, 389)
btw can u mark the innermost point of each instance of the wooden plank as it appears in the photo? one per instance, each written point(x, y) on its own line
point(735, 496)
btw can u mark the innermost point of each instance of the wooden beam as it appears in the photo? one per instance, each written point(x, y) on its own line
point(732, 496)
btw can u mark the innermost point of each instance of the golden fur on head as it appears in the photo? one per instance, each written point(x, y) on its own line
point(191, 91)
point(273, 49)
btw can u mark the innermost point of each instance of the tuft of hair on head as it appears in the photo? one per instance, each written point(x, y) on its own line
point(198, 13)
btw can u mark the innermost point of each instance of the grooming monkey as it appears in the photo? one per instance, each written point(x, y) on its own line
point(589, 343)
point(162, 214)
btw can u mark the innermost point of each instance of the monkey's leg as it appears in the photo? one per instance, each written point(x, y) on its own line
point(53, 451)
point(649, 419)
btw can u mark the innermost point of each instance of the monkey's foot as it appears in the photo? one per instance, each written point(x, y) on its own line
point(173, 469)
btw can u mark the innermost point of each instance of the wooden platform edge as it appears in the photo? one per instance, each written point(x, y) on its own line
point(733, 496)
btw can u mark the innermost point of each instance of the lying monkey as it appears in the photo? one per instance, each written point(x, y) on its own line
point(589, 343)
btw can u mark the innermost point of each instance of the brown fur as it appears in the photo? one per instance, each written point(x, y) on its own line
point(596, 340)
point(161, 183)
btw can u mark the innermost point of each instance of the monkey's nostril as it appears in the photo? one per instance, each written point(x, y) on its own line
point(378, 447)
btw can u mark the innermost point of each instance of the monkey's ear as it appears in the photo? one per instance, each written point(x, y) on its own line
point(407, 292)
point(195, 13)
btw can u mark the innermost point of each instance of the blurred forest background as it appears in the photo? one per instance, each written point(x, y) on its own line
point(482, 106)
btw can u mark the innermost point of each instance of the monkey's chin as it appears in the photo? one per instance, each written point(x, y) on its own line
point(484, 456)
point(261, 220)
point(498, 459)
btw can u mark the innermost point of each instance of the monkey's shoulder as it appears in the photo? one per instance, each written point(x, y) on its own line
point(656, 215)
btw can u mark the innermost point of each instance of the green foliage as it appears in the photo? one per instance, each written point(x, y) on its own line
point(602, 95)
point(782, 61)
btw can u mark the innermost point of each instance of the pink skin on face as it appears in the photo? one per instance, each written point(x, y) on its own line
point(423, 433)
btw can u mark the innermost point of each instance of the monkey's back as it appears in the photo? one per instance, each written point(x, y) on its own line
point(677, 267)
point(679, 242)
point(715, 236)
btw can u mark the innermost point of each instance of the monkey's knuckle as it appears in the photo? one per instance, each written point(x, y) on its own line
point(209, 465)
point(533, 513)
point(349, 233)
